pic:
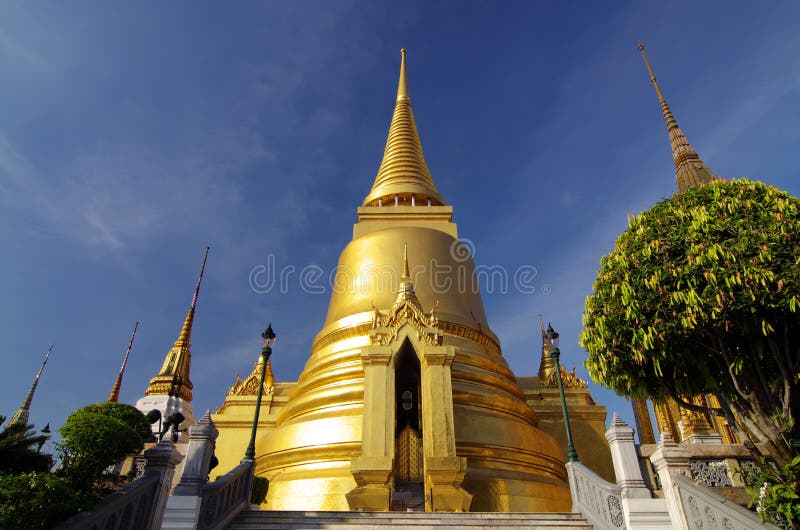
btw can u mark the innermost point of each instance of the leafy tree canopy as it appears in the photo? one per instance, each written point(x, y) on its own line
point(39, 500)
point(701, 295)
point(100, 435)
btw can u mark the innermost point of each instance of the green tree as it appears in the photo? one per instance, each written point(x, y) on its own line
point(39, 500)
point(19, 449)
point(98, 436)
point(701, 295)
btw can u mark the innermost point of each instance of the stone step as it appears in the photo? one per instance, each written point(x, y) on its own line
point(378, 515)
point(566, 525)
point(274, 520)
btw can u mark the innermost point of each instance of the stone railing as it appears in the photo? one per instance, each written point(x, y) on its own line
point(223, 499)
point(140, 504)
point(598, 500)
point(703, 509)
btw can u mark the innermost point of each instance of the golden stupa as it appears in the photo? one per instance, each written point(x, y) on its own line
point(406, 385)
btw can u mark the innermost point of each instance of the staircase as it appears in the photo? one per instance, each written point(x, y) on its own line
point(408, 497)
point(274, 520)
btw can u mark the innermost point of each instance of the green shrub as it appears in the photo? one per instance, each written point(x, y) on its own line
point(259, 491)
point(775, 493)
point(98, 436)
point(39, 500)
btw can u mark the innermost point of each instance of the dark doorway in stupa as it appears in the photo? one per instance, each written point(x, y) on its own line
point(408, 466)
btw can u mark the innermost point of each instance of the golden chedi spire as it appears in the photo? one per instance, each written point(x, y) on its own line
point(403, 177)
point(22, 414)
point(690, 170)
point(173, 379)
point(113, 397)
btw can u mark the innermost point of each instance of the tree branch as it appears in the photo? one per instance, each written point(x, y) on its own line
point(691, 406)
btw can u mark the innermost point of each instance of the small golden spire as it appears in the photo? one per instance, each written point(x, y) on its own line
point(546, 364)
point(406, 290)
point(23, 412)
point(173, 380)
point(403, 173)
point(689, 168)
point(114, 395)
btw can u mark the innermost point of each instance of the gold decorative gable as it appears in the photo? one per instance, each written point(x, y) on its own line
point(569, 379)
point(249, 386)
point(406, 309)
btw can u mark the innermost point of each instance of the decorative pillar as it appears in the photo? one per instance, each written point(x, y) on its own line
point(373, 469)
point(183, 506)
point(641, 414)
point(640, 510)
point(444, 471)
point(665, 420)
point(162, 459)
point(626, 460)
point(672, 460)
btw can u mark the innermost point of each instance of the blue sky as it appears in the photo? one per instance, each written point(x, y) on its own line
point(132, 136)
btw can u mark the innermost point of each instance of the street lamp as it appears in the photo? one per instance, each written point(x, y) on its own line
point(45, 436)
point(555, 353)
point(269, 339)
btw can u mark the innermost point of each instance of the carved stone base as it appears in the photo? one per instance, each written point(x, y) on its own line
point(710, 438)
point(444, 476)
point(372, 476)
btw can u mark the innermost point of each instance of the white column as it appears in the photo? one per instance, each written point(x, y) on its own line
point(672, 460)
point(641, 511)
point(183, 506)
point(626, 460)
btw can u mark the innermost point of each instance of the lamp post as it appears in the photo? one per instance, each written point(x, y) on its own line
point(555, 353)
point(269, 339)
point(45, 436)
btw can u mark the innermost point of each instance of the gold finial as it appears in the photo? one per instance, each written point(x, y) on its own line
point(405, 261)
point(114, 395)
point(541, 324)
point(186, 330)
point(546, 365)
point(650, 71)
point(200, 278)
point(23, 412)
point(690, 170)
point(402, 84)
point(403, 173)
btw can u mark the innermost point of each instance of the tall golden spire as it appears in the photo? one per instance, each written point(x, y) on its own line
point(403, 177)
point(114, 395)
point(23, 412)
point(173, 380)
point(689, 168)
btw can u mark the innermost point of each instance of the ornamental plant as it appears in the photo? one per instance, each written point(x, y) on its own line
point(701, 296)
point(775, 494)
point(98, 436)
